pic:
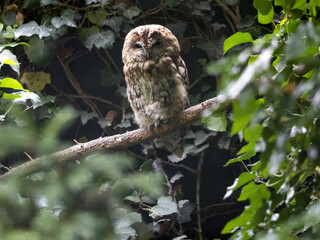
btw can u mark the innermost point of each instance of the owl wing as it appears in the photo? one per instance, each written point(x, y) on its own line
point(181, 66)
point(183, 73)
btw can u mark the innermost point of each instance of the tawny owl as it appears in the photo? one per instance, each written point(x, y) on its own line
point(157, 79)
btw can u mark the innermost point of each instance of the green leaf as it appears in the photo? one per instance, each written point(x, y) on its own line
point(254, 192)
point(124, 221)
point(131, 12)
point(7, 57)
point(243, 179)
point(242, 114)
point(98, 16)
point(85, 116)
point(10, 83)
point(236, 39)
point(109, 78)
point(172, 3)
point(236, 223)
point(265, 11)
point(67, 18)
point(114, 23)
point(12, 44)
point(252, 133)
point(48, 2)
point(216, 122)
point(32, 28)
point(40, 51)
point(97, 37)
point(165, 206)
point(241, 158)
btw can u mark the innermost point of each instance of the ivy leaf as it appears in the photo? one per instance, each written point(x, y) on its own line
point(123, 223)
point(67, 18)
point(114, 23)
point(85, 116)
point(131, 12)
point(185, 210)
point(32, 28)
point(48, 2)
point(109, 78)
point(165, 206)
point(9, 18)
point(102, 2)
point(172, 3)
point(35, 81)
point(96, 17)
point(236, 39)
point(216, 122)
point(7, 57)
point(40, 51)
point(97, 37)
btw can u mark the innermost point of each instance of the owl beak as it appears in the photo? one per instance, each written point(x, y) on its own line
point(146, 52)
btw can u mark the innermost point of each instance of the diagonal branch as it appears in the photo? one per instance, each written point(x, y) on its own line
point(119, 141)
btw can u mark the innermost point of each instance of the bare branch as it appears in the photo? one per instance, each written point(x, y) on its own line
point(117, 142)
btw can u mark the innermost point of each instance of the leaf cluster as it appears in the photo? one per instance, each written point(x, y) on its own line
point(276, 115)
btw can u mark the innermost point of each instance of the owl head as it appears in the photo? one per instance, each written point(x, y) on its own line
point(149, 42)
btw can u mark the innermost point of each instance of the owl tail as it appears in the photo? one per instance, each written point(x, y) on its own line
point(172, 142)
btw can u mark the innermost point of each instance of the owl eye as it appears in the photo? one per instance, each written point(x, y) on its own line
point(137, 45)
point(156, 44)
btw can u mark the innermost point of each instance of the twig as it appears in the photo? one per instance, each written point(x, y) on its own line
point(112, 61)
point(30, 158)
point(179, 166)
point(119, 141)
point(235, 17)
point(199, 171)
point(71, 78)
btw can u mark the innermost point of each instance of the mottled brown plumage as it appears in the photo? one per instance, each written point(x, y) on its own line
point(156, 78)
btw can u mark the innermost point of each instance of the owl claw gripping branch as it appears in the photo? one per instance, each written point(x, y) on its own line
point(157, 80)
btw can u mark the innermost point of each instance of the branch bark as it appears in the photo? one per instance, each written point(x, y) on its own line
point(116, 142)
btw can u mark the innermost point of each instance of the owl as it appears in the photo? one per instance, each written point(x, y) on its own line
point(157, 79)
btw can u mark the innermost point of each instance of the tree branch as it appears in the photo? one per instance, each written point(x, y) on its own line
point(117, 142)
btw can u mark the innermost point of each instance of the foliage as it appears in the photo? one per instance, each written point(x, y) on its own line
point(83, 200)
point(101, 196)
point(271, 69)
point(276, 83)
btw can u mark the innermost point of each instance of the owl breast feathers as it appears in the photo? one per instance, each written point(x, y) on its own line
point(156, 76)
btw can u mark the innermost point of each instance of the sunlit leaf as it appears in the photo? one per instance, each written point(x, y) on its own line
point(10, 83)
point(241, 158)
point(67, 18)
point(236, 39)
point(265, 11)
point(7, 57)
point(12, 44)
point(216, 122)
